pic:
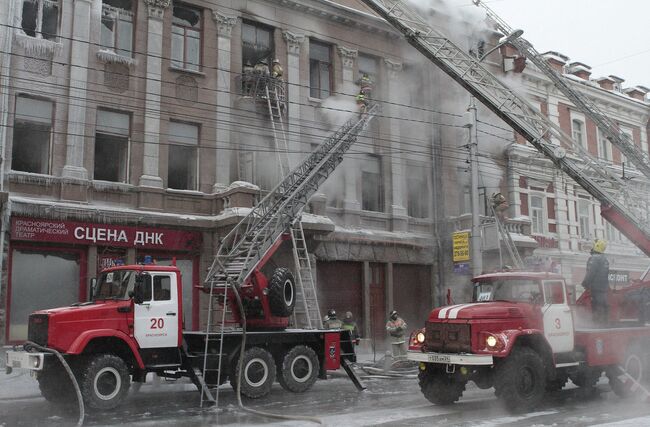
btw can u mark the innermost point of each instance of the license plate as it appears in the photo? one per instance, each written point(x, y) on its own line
point(439, 358)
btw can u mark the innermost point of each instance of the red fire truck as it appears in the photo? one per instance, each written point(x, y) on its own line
point(522, 335)
point(133, 326)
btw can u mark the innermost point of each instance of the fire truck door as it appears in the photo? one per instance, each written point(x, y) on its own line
point(156, 319)
point(558, 320)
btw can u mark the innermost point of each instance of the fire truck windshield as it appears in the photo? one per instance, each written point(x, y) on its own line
point(515, 290)
point(115, 284)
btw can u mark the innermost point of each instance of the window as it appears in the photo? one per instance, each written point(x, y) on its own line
point(577, 128)
point(604, 147)
point(611, 233)
point(40, 18)
point(32, 135)
point(186, 37)
point(371, 189)
point(537, 214)
point(257, 44)
point(162, 288)
point(117, 26)
point(183, 160)
point(320, 70)
point(554, 292)
point(584, 218)
point(112, 146)
point(417, 191)
point(368, 65)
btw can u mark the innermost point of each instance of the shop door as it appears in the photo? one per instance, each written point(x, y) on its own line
point(412, 293)
point(40, 279)
point(339, 288)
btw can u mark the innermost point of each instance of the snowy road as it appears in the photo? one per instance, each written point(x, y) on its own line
point(336, 402)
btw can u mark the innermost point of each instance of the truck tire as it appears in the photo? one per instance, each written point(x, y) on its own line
point(632, 365)
point(439, 387)
point(104, 381)
point(257, 374)
point(298, 369)
point(56, 385)
point(282, 292)
point(520, 380)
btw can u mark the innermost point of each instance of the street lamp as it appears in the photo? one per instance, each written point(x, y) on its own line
point(477, 254)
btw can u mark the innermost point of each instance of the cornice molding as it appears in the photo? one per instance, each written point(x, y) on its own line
point(224, 23)
point(348, 56)
point(294, 41)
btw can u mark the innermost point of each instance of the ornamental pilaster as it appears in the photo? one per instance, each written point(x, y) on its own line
point(347, 56)
point(224, 23)
point(394, 68)
point(294, 41)
point(156, 8)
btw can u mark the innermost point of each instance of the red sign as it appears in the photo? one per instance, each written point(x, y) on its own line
point(45, 230)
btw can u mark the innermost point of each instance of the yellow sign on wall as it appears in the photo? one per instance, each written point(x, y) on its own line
point(461, 246)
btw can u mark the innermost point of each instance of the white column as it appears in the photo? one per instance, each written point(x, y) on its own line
point(74, 159)
point(294, 43)
point(224, 100)
point(398, 180)
point(150, 162)
point(351, 171)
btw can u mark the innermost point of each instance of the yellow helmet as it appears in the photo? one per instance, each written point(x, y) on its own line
point(600, 246)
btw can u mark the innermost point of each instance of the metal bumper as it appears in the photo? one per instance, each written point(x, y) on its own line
point(24, 360)
point(450, 359)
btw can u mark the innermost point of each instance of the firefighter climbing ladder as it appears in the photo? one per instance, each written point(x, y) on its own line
point(247, 243)
point(621, 204)
point(607, 126)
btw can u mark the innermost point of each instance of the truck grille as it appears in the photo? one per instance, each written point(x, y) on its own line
point(447, 337)
point(37, 328)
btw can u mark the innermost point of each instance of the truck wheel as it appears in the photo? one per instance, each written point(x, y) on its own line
point(633, 365)
point(282, 292)
point(104, 381)
point(439, 387)
point(257, 374)
point(298, 369)
point(55, 384)
point(520, 380)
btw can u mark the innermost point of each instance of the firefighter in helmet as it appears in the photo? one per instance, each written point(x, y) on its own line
point(596, 281)
point(276, 70)
point(330, 321)
point(396, 328)
point(362, 103)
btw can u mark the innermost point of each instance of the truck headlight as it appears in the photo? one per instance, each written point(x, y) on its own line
point(491, 341)
point(420, 337)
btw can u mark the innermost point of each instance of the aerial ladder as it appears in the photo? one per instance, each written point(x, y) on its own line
point(606, 125)
point(235, 271)
point(621, 204)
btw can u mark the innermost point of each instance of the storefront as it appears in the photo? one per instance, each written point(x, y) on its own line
point(51, 263)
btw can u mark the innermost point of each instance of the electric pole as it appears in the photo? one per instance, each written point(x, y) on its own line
point(475, 242)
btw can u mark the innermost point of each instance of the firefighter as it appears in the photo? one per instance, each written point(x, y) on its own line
point(330, 321)
point(350, 325)
point(597, 282)
point(365, 85)
point(396, 328)
point(276, 70)
point(499, 204)
point(262, 67)
point(248, 78)
point(362, 103)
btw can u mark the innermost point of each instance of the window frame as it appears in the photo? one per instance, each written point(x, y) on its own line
point(580, 132)
point(259, 26)
point(196, 162)
point(117, 13)
point(542, 213)
point(127, 166)
point(381, 202)
point(184, 65)
point(330, 70)
point(604, 148)
point(38, 28)
point(582, 233)
point(50, 142)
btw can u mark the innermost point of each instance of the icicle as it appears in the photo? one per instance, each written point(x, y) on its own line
point(106, 55)
point(118, 187)
point(38, 48)
point(32, 178)
point(243, 184)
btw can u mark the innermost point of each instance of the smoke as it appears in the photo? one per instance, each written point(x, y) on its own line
point(338, 109)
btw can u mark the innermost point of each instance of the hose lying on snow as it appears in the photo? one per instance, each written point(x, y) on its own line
point(29, 346)
point(239, 375)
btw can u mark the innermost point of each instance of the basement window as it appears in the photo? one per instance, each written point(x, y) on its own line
point(182, 173)
point(40, 18)
point(32, 135)
point(112, 146)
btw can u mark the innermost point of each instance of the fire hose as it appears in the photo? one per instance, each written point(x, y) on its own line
point(240, 364)
point(30, 346)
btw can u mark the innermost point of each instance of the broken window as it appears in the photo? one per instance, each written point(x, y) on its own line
point(32, 135)
point(40, 18)
point(257, 44)
point(417, 191)
point(186, 37)
point(117, 26)
point(112, 146)
point(320, 69)
point(372, 196)
point(182, 172)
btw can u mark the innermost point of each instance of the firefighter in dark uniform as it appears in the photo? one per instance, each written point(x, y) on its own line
point(597, 282)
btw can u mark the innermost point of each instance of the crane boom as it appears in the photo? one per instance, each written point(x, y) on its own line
point(620, 202)
point(606, 125)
